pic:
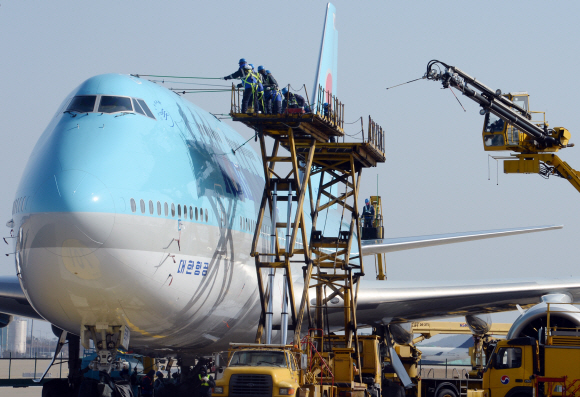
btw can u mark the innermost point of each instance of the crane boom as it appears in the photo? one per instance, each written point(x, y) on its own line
point(504, 107)
point(508, 125)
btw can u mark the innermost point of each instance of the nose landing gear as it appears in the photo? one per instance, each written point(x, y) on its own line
point(107, 339)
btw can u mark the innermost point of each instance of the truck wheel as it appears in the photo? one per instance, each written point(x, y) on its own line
point(445, 392)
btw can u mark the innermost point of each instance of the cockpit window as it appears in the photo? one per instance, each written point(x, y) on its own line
point(82, 104)
point(137, 107)
point(114, 104)
point(108, 104)
point(145, 108)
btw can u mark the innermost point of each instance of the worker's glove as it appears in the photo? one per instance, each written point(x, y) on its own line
point(227, 78)
point(239, 85)
point(205, 379)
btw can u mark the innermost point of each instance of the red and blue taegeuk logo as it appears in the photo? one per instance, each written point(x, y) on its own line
point(505, 379)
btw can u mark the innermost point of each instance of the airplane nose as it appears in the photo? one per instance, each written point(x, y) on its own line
point(72, 214)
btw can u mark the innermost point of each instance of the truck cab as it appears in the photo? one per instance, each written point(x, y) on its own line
point(259, 370)
point(510, 369)
point(500, 135)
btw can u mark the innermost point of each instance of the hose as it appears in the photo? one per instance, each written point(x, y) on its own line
point(180, 77)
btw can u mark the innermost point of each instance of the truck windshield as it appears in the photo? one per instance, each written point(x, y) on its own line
point(256, 358)
point(508, 357)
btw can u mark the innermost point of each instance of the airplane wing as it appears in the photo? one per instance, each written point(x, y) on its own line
point(12, 299)
point(386, 301)
point(372, 247)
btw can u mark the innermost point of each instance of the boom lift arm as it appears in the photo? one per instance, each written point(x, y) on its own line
point(508, 125)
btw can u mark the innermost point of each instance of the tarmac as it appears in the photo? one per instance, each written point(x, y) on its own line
point(35, 391)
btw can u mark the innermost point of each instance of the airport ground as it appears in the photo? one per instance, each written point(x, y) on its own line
point(427, 371)
point(21, 391)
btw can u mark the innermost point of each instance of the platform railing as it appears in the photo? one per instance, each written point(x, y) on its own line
point(31, 368)
point(333, 112)
point(376, 135)
point(327, 106)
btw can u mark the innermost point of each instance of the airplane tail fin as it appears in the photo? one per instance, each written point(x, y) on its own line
point(326, 74)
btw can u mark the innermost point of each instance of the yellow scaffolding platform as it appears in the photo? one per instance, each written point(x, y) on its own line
point(329, 263)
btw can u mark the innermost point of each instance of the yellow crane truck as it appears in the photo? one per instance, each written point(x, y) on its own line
point(509, 125)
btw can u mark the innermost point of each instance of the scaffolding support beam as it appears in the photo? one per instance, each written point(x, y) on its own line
point(328, 263)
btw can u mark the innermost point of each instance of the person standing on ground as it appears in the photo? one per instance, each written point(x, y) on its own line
point(147, 384)
point(207, 383)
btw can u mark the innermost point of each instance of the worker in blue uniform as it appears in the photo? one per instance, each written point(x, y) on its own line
point(276, 98)
point(249, 83)
point(270, 90)
point(258, 99)
point(368, 214)
point(292, 100)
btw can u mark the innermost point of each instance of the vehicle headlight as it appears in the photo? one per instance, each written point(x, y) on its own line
point(218, 389)
point(286, 391)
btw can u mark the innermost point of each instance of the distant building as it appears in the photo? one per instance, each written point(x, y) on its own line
point(3, 340)
point(16, 339)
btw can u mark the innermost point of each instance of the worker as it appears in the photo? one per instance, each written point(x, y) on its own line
point(276, 99)
point(368, 214)
point(258, 93)
point(249, 83)
point(270, 88)
point(207, 383)
point(159, 384)
point(292, 100)
point(240, 72)
point(147, 384)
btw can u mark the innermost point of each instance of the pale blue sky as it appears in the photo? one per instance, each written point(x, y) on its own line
point(436, 176)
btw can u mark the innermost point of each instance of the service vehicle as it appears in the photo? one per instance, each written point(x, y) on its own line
point(259, 370)
point(530, 367)
point(546, 365)
point(509, 125)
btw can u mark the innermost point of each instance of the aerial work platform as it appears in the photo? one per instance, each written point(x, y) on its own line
point(330, 266)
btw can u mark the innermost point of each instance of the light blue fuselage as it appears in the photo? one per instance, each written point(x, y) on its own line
point(89, 251)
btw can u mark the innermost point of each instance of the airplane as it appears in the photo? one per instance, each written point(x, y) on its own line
point(134, 212)
point(446, 355)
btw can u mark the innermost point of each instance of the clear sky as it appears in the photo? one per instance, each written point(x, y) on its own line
point(435, 179)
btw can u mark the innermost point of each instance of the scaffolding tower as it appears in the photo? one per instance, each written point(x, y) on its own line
point(328, 260)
